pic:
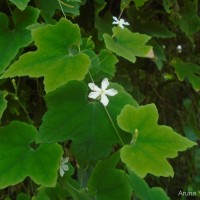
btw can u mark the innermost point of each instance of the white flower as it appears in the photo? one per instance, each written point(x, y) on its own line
point(179, 48)
point(63, 166)
point(102, 92)
point(120, 22)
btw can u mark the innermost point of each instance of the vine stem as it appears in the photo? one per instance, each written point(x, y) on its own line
point(9, 8)
point(91, 77)
point(122, 11)
point(114, 126)
point(78, 191)
point(65, 4)
point(62, 9)
point(108, 114)
point(31, 186)
point(24, 109)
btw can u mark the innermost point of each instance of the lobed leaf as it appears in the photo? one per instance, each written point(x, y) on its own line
point(188, 20)
point(71, 117)
point(106, 65)
point(12, 40)
point(187, 70)
point(143, 191)
point(154, 29)
point(114, 184)
point(107, 62)
point(19, 159)
point(152, 144)
point(127, 44)
point(57, 57)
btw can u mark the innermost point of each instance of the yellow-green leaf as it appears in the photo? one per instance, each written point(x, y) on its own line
point(151, 143)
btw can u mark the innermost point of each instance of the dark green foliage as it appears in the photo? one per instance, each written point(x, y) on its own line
point(50, 51)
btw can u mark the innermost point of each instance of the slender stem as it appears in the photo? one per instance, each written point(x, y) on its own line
point(15, 97)
point(109, 116)
point(121, 13)
point(104, 59)
point(9, 8)
point(91, 77)
point(78, 191)
point(31, 185)
point(65, 4)
point(114, 126)
point(25, 187)
point(24, 109)
point(62, 9)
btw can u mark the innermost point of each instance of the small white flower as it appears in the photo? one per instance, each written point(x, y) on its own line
point(179, 48)
point(63, 166)
point(120, 22)
point(102, 92)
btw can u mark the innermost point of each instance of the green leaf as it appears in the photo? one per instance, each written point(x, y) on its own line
point(71, 117)
point(139, 3)
point(74, 188)
point(114, 184)
point(57, 57)
point(66, 187)
point(19, 160)
point(143, 191)
point(47, 9)
point(3, 103)
point(102, 65)
point(103, 24)
point(107, 63)
point(87, 43)
point(124, 4)
point(71, 7)
point(188, 19)
point(151, 143)
point(159, 54)
point(187, 70)
point(167, 4)
point(127, 44)
point(21, 4)
point(154, 29)
point(41, 195)
point(12, 40)
point(94, 63)
point(23, 196)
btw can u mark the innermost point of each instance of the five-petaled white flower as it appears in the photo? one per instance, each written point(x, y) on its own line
point(101, 92)
point(120, 22)
point(63, 166)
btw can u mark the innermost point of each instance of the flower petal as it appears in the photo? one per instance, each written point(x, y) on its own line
point(111, 92)
point(65, 160)
point(61, 172)
point(65, 167)
point(115, 23)
point(126, 23)
point(104, 84)
point(93, 87)
point(121, 25)
point(104, 100)
point(93, 95)
point(115, 18)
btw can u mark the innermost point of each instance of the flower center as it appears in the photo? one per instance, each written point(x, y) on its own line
point(102, 92)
